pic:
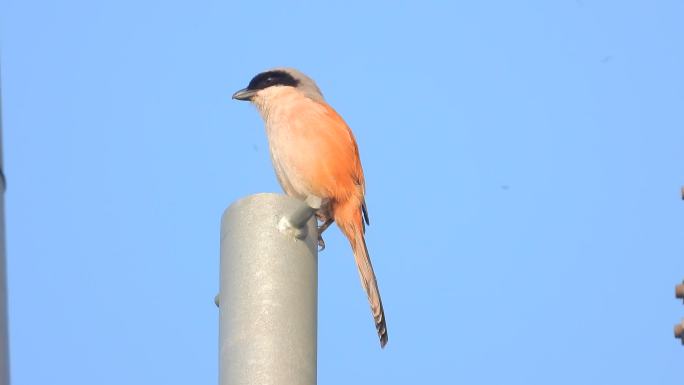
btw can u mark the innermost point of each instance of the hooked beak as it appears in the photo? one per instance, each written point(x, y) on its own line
point(244, 94)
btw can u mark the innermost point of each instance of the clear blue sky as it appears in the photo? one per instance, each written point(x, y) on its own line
point(523, 163)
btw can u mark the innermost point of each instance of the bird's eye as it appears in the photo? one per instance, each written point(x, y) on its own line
point(270, 79)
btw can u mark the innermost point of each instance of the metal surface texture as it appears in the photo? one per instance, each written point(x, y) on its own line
point(4, 344)
point(268, 292)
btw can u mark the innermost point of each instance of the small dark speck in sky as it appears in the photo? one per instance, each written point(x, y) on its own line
point(607, 59)
point(255, 148)
point(505, 187)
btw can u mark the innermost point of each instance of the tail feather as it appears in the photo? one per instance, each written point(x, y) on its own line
point(353, 230)
point(370, 284)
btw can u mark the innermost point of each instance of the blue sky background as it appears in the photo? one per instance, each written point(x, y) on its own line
point(523, 163)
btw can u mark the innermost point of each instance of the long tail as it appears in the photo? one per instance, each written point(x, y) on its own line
point(351, 224)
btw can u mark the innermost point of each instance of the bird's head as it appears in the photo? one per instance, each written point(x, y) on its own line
point(268, 85)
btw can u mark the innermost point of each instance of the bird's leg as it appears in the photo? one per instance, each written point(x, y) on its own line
point(326, 223)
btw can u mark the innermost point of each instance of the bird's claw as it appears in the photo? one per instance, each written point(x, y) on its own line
point(321, 243)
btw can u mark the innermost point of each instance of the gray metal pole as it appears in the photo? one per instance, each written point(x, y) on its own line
point(4, 345)
point(268, 292)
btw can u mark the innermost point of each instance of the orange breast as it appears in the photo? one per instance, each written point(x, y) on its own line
point(317, 151)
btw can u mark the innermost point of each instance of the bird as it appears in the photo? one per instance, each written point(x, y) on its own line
point(314, 154)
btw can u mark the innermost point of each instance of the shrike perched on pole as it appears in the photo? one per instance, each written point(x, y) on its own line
point(314, 154)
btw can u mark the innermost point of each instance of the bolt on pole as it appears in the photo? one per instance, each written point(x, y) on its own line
point(268, 292)
point(679, 328)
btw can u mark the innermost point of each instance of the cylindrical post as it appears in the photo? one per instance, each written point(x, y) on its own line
point(268, 292)
point(4, 345)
